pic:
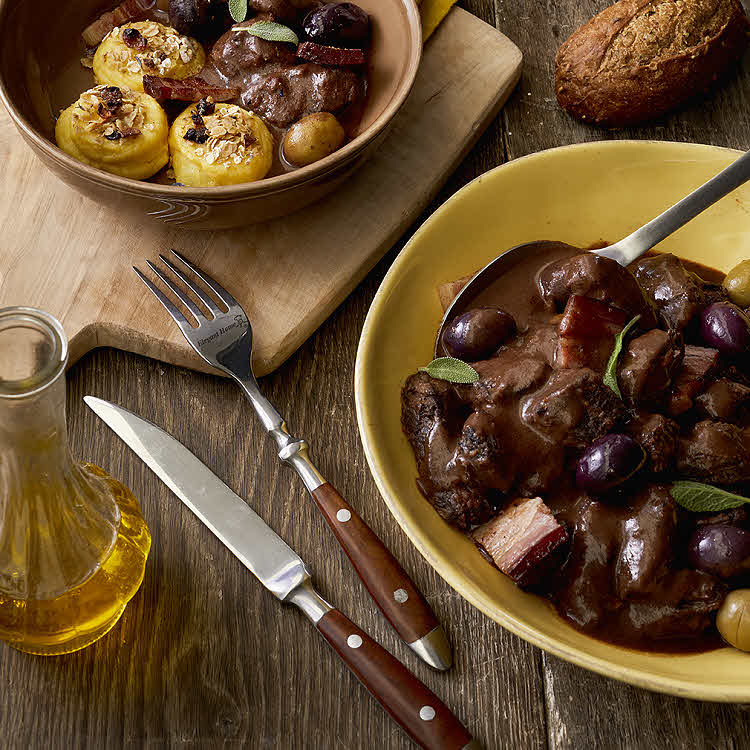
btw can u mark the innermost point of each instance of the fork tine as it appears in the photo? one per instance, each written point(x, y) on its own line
point(211, 283)
point(177, 316)
point(196, 312)
point(193, 287)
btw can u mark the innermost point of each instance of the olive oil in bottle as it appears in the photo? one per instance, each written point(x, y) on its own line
point(73, 542)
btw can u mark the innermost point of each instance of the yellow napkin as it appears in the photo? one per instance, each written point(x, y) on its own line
point(433, 12)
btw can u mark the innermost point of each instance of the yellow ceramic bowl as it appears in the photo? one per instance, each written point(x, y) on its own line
point(578, 194)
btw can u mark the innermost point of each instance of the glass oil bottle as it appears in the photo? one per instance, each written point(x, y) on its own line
point(73, 542)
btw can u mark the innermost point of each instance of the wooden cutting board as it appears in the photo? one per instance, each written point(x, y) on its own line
point(72, 257)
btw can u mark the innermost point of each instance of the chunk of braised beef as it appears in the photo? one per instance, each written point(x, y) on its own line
point(715, 452)
point(460, 506)
point(698, 365)
point(678, 295)
point(647, 544)
point(657, 435)
point(521, 540)
point(604, 536)
point(479, 458)
point(587, 332)
point(285, 96)
point(725, 401)
point(505, 376)
point(425, 402)
point(237, 53)
point(584, 592)
point(686, 607)
point(599, 278)
point(648, 366)
point(573, 408)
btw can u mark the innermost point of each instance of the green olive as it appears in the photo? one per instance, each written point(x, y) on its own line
point(312, 138)
point(737, 284)
point(733, 620)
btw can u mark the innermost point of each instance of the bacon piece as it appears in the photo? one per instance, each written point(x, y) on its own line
point(586, 318)
point(318, 53)
point(449, 291)
point(697, 364)
point(126, 11)
point(587, 333)
point(520, 538)
point(186, 90)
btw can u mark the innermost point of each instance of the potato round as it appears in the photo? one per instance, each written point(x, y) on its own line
point(129, 140)
point(166, 53)
point(232, 146)
point(312, 138)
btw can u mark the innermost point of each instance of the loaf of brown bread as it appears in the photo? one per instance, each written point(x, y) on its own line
point(639, 59)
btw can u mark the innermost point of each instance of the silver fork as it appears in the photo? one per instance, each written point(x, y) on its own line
point(224, 339)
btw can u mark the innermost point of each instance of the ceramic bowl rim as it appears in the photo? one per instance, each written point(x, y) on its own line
point(603, 666)
point(260, 188)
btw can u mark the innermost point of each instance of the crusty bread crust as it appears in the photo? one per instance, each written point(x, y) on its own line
point(639, 59)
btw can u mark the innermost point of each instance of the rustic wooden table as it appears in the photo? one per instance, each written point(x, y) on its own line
point(204, 657)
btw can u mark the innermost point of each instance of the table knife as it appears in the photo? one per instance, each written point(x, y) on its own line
point(424, 717)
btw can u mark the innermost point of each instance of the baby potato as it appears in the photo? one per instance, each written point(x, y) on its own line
point(737, 284)
point(733, 619)
point(228, 146)
point(118, 130)
point(141, 48)
point(312, 138)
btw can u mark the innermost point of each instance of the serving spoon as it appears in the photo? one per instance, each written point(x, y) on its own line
point(625, 251)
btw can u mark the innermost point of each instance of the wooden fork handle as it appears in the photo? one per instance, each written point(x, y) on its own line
point(427, 720)
point(387, 582)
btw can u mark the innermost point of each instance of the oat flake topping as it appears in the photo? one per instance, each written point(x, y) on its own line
point(164, 48)
point(230, 135)
point(110, 112)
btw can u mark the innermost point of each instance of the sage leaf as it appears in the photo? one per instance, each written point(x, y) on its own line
point(238, 10)
point(610, 374)
point(451, 369)
point(703, 498)
point(271, 31)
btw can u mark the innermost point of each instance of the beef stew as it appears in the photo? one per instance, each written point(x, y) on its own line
point(564, 479)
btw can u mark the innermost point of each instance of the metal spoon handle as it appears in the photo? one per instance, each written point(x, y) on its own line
point(634, 245)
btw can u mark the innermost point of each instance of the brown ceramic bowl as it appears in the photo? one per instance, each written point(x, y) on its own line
point(41, 74)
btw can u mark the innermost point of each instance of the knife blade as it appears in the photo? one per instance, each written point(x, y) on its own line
point(424, 717)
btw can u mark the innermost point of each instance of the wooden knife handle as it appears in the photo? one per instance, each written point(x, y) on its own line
point(425, 718)
point(388, 583)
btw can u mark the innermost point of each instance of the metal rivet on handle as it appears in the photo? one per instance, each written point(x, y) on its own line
point(355, 641)
point(427, 713)
point(343, 515)
point(400, 595)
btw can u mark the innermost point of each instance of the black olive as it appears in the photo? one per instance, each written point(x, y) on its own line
point(115, 135)
point(338, 25)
